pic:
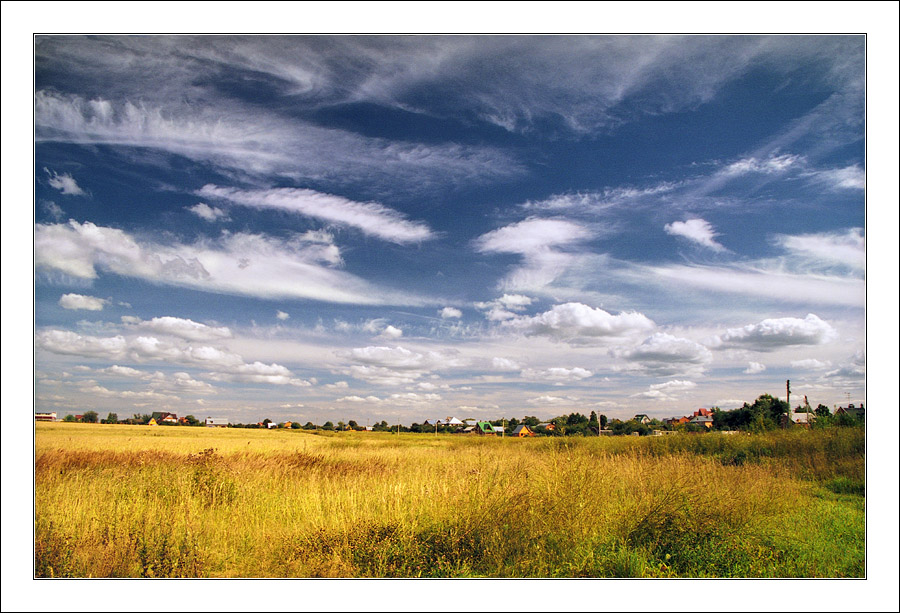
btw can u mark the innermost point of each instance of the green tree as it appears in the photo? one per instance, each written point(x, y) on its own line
point(823, 411)
point(90, 417)
point(328, 426)
point(309, 426)
point(603, 422)
point(69, 418)
point(191, 420)
point(295, 425)
point(112, 418)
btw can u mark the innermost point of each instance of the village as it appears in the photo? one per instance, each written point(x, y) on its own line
point(766, 413)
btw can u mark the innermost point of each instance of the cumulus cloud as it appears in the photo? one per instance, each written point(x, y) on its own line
point(578, 323)
point(450, 313)
point(77, 301)
point(182, 328)
point(664, 355)
point(395, 365)
point(64, 183)
point(754, 368)
point(368, 217)
point(225, 365)
point(243, 264)
point(281, 315)
point(852, 370)
point(553, 400)
point(696, 230)
point(390, 332)
point(505, 364)
point(557, 375)
point(810, 364)
point(209, 213)
point(773, 334)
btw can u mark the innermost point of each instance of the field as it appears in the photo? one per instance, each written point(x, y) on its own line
point(138, 501)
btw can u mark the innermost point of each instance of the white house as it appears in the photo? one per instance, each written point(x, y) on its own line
point(216, 422)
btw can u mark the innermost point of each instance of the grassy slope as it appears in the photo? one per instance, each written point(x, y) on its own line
point(173, 501)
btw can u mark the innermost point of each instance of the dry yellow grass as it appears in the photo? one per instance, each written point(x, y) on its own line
point(176, 501)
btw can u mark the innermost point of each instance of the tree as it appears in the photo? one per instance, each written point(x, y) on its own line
point(112, 418)
point(822, 411)
point(328, 426)
point(603, 422)
point(191, 420)
point(295, 425)
point(69, 418)
point(309, 426)
point(89, 418)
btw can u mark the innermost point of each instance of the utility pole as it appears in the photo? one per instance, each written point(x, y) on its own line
point(788, 423)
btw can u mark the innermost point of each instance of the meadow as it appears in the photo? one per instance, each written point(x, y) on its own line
point(140, 501)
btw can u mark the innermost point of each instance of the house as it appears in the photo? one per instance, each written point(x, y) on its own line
point(498, 429)
point(451, 421)
point(288, 424)
point(676, 421)
point(522, 431)
point(271, 425)
point(164, 418)
point(152, 422)
point(703, 413)
point(703, 420)
point(547, 425)
point(45, 416)
point(803, 419)
point(642, 419)
point(484, 427)
point(216, 423)
point(852, 410)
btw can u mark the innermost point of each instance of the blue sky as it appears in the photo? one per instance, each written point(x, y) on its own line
point(403, 228)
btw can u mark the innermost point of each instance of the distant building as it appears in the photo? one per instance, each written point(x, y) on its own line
point(45, 416)
point(642, 419)
point(522, 431)
point(216, 422)
point(858, 412)
point(164, 418)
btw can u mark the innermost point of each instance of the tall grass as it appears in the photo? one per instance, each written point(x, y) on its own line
point(123, 501)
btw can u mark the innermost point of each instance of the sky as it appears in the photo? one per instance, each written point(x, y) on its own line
point(405, 228)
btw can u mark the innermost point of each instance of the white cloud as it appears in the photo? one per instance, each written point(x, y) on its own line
point(450, 313)
point(849, 177)
point(505, 364)
point(209, 213)
point(696, 230)
point(248, 140)
point(282, 315)
point(390, 332)
point(664, 355)
point(396, 365)
point(676, 385)
point(754, 368)
point(77, 301)
point(66, 342)
point(53, 210)
point(578, 323)
point(773, 334)
point(553, 400)
point(243, 264)
point(780, 285)
point(828, 248)
point(531, 235)
point(557, 374)
point(184, 328)
point(225, 365)
point(810, 364)
point(369, 217)
point(852, 370)
point(771, 165)
point(64, 183)
point(514, 302)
